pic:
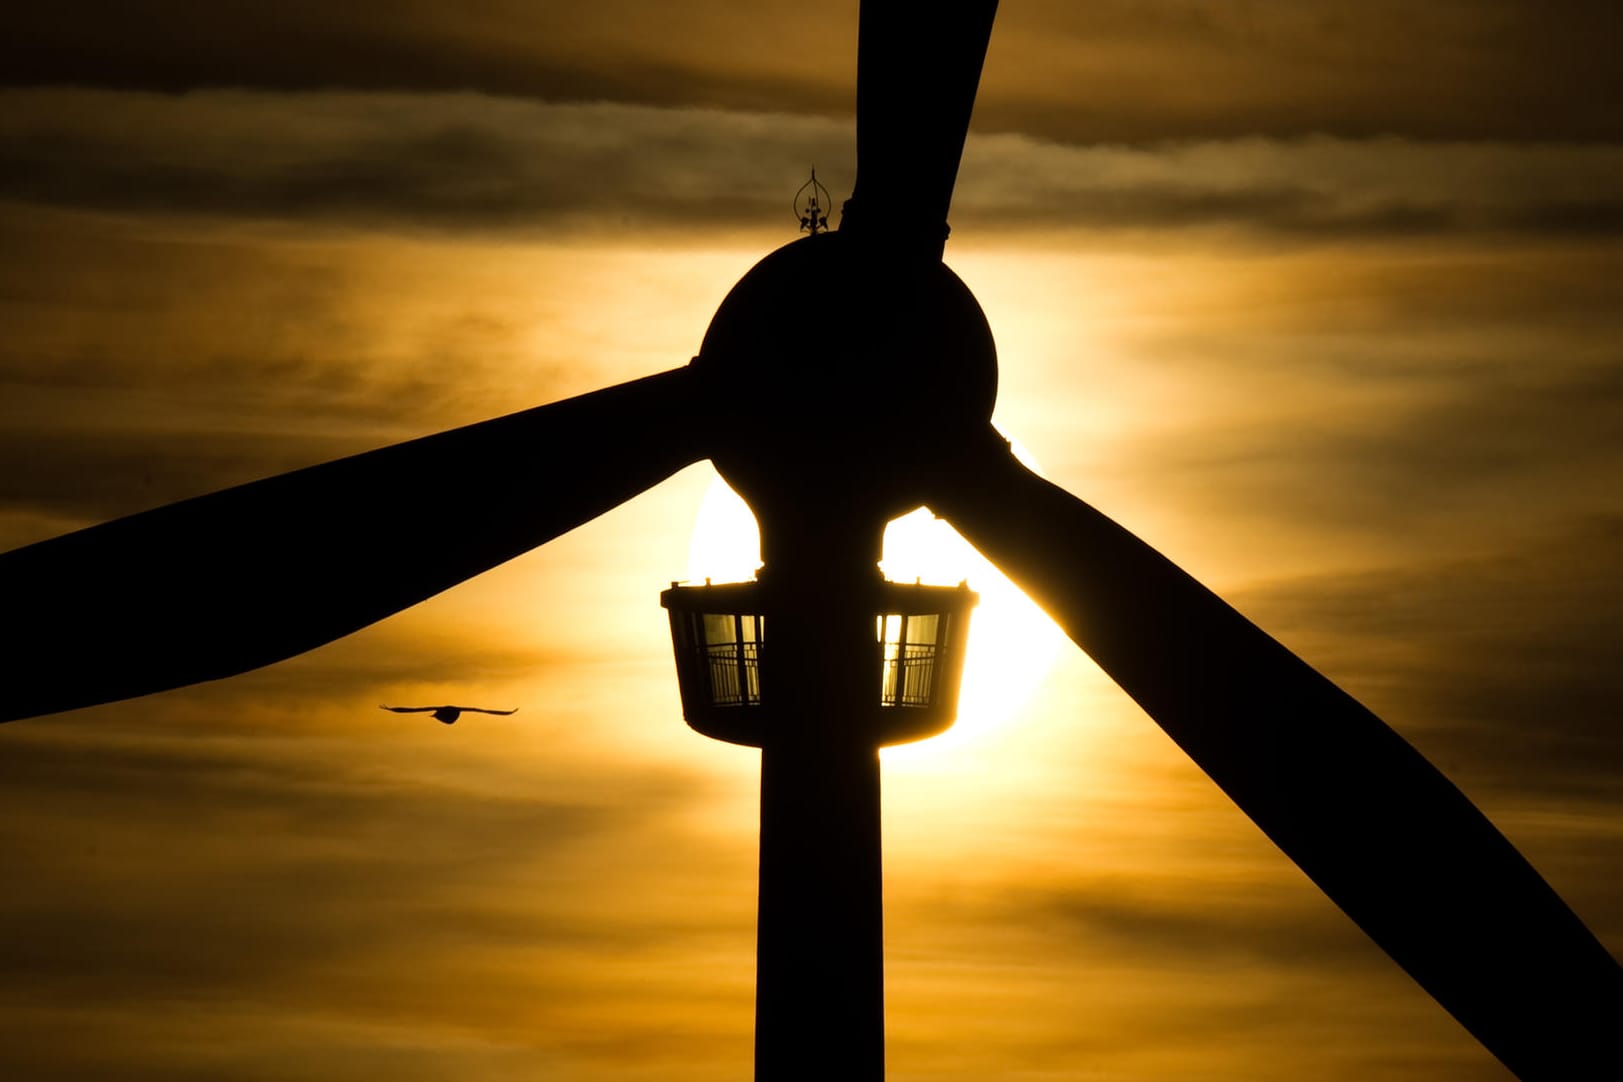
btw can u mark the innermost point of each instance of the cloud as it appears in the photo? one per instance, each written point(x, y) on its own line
point(73, 475)
point(619, 50)
point(1204, 975)
point(146, 364)
point(1200, 69)
point(466, 162)
point(1508, 669)
point(410, 162)
point(1262, 411)
point(221, 901)
point(1251, 929)
point(1207, 69)
point(1511, 449)
point(1312, 186)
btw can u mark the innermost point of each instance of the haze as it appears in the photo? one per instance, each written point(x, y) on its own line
point(1325, 300)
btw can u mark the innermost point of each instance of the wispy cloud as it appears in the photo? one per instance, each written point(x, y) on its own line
point(1509, 666)
point(1110, 71)
point(411, 161)
point(459, 162)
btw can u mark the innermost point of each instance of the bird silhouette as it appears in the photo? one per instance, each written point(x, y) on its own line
point(447, 714)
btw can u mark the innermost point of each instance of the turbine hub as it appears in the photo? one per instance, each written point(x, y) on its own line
point(842, 374)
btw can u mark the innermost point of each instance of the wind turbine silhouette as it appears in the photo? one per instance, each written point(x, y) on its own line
point(793, 416)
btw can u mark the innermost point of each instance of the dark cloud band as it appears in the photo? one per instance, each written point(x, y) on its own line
point(460, 162)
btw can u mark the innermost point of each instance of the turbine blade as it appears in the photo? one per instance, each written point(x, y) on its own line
point(917, 73)
point(1377, 827)
point(228, 582)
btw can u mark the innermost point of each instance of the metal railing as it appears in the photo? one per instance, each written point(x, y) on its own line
point(735, 673)
point(909, 675)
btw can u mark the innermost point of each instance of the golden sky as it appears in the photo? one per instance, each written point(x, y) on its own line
point(1324, 299)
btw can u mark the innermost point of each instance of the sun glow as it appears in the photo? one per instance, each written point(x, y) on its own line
point(1012, 643)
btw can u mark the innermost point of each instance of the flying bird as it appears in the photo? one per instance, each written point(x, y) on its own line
point(446, 714)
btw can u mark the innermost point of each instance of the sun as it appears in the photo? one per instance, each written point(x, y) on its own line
point(1012, 642)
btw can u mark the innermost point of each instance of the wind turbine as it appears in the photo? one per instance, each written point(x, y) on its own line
point(795, 416)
